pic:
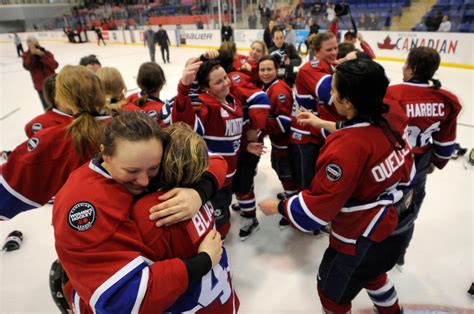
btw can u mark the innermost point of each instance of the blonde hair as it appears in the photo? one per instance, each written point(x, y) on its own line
point(114, 87)
point(81, 91)
point(185, 158)
point(264, 45)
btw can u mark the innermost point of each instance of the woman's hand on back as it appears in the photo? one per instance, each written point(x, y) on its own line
point(212, 245)
point(178, 204)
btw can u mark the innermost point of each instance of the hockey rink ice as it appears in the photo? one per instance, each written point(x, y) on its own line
point(274, 271)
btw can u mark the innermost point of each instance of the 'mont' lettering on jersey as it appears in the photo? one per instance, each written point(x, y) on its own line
point(425, 110)
point(233, 127)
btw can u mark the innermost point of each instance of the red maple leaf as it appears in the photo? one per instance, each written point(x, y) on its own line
point(386, 44)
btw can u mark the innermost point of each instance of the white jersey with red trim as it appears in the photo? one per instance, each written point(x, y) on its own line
point(214, 292)
point(102, 251)
point(359, 176)
point(432, 115)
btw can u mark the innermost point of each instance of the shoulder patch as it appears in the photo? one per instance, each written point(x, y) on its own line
point(333, 172)
point(32, 144)
point(82, 216)
point(314, 63)
point(36, 127)
point(236, 78)
point(281, 98)
point(152, 114)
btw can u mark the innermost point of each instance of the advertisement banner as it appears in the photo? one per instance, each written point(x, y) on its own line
point(244, 37)
point(202, 38)
point(454, 48)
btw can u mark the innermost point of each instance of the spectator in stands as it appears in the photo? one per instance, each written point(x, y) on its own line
point(253, 20)
point(445, 25)
point(362, 22)
point(287, 55)
point(40, 63)
point(299, 24)
point(18, 45)
point(268, 34)
point(433, 22)
point(91, 62)
point(199, 24)
point(350, 37)
point(290, 34)
point(149, 40)
point(372, 22)
point(227, 33)
point(164, 41)
point(330, 12)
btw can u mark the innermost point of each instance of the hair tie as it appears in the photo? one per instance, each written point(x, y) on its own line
point(77, 115)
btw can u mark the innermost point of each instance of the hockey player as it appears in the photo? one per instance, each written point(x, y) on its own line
point(363, 173)
point(55, 113)
point(313, 93)
point(184, 161)
point(151, 80)
point(432, 113)
point(219, 120)
point(278, 124)
point(114, 88)
point(248, 64)
point(37, 168)
point(109, 267)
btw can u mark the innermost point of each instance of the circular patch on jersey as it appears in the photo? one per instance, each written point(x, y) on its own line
point(314, 63)
point(32, 144)
point(281, 98)
point(236, 78)
point(333, 172)
point(36, 127)
point(82, 216)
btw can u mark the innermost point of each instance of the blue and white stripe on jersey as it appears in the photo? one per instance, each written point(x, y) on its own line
point(258, 100)
point(12, 202)
point(300, 215)
point(166, 110)
point(323, 90)
point(125, 290)
point(222, 145)
point(305, 101)
point(284, 122)
point(214, 285)
point(444, 150)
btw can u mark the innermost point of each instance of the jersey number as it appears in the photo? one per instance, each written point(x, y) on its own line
point(215, 285)
point(420, 139)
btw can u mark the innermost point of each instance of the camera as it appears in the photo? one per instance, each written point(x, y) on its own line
point(341, 9)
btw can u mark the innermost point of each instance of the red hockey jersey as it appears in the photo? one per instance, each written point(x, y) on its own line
point(279, 120)
point(313, 92)
point(255, 102)
point(37, 169)
point(220, 125)
point(432, 117)
point(359, 177)
point(241, 60)
point(101, 249)
point(49, 118)
point(214, 293)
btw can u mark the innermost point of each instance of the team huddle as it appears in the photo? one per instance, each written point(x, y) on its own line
point(143, 187)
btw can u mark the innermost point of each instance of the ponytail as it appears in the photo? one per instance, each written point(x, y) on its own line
point(85, 132)
point(436, 83)
point(82, 92)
